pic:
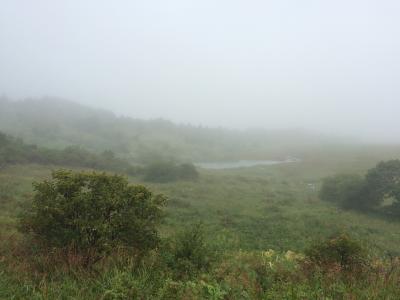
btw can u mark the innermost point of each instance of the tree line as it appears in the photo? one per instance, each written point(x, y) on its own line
point(16, 151)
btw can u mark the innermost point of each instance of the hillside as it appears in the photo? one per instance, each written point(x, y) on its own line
point(57, 123)
point(15, 151)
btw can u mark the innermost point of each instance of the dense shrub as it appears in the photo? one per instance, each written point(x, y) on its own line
point(190, 252)
point(165, 171)
point(382, 182)
point(344, 190)
point(353, 191)
point(187, 171)
point(338, 251)
point(92, 214)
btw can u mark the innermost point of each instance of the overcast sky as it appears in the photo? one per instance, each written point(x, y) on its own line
point(332, 66)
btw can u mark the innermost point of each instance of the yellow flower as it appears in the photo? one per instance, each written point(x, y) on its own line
point(291, 256)
point(270, 253)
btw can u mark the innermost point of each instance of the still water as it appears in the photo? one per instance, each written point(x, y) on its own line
point(243, 163)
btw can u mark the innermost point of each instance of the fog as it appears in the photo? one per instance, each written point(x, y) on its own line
point(331, 66)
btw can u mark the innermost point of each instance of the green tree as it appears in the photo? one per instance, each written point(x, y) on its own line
point(92, 214)
point(382, 182)
point(345, 190)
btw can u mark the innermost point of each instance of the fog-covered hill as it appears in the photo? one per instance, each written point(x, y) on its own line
point(58, 123)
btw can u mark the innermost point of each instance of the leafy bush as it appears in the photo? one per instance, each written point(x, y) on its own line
point(92, 214)
point(345, 190)
point(338, 251)
point(190, 253)
point(352, 191)
point(382, 182)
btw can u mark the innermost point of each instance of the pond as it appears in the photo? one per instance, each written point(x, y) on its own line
point(243, 163)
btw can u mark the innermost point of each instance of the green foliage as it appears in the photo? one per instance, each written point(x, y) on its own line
point(187, 171)
point(382, 182)
point(353, 191)
point(338, 251)
point(165, 171)
point(92, 214)
point(190, 253)
point(15, 151)
point(345, 190)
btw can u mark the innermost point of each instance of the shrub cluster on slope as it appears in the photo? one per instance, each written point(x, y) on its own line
point(381, 184)
point(15, 151)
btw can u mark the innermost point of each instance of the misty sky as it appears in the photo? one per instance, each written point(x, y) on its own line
point(332, 66)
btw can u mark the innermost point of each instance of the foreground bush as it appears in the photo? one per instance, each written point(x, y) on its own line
point(237, 275)
point(190, 252)
point(339, 251)
point(92, 214)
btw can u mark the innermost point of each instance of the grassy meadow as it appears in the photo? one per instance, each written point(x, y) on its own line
point(246, 213)
point(243, 233)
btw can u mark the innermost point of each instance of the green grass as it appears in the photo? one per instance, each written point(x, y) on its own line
point(252, 209)
point(262, 207)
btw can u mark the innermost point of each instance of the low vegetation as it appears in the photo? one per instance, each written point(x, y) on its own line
point(198, 262)
point(163, 171)
point(339, 251)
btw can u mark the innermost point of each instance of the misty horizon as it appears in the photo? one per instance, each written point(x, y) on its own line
point(325, 67)
point(98, 111)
